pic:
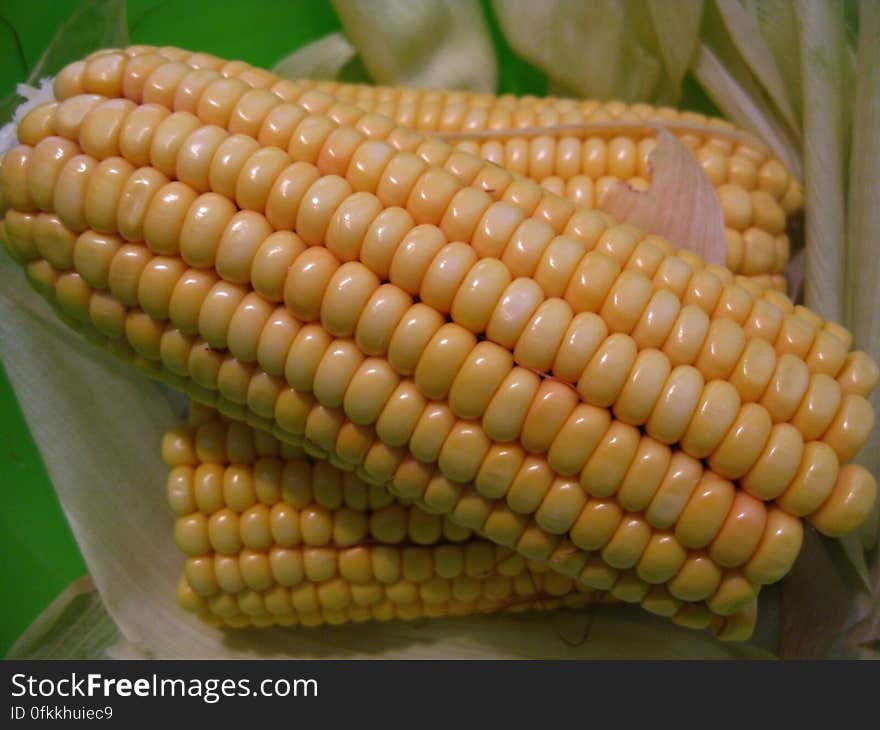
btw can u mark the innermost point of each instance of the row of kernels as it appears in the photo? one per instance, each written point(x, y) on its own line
point(218, 508)
point(223, 578)
point(622, 539)
point(779, 409)
point(655, 562)
point(220, 442)
point(458, 570)
point(755, 253)
point(311, 606)
point(757, 209)
point(469, 563)
point(772, 176)
point(730, 545)
point(297, 289)
point(294, 481)
point(223, 612)
point(542, 157)
point(730, 595)
point(587, 192)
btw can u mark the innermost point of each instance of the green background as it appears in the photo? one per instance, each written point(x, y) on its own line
point(39, 554)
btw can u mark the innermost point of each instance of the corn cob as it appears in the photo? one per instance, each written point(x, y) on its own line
point(623, 585)
point(75, 293)
point(792, 556)
point(768, 462)
point(284, 480)
point(578, 149)
point(756, 191)
point(703, 509)
point(283, 563)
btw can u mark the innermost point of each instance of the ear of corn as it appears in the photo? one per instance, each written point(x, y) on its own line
point(274, 537)
point(577, 149)
point(259, 522)
point(477, 346)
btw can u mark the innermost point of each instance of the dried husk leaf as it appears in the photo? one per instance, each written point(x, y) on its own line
point(74, 626)
point(776, 19)
point(321, 59)
point(589, 49)
point(681, 203)
point(745, 33)
point(826, 611)
point(825, 149)
point(863, 226)
point(430, 43)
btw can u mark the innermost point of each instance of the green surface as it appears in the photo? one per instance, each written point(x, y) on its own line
point(38, 550)
point(40, 556)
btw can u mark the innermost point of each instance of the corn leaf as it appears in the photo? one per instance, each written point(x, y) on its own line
point(725, 75)
point(776, 19)
point(74, 626)
point(826, 610)
point(794, 274)
point(95, 24)
point(433, 43)
point(745, 33)
point(321, 59)
point(863, 231)
point(852, 548)
point(822, 47)
point(681, 203)
point(676, 24)
point(587, 49)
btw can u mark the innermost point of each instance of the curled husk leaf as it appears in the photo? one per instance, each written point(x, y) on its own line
point(681, 204)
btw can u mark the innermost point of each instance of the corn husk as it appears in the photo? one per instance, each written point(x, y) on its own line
point(587, 49)
point(680, 204)
point(432, 43)
point(74, 626)
point(863, 231)
point(324, 58)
